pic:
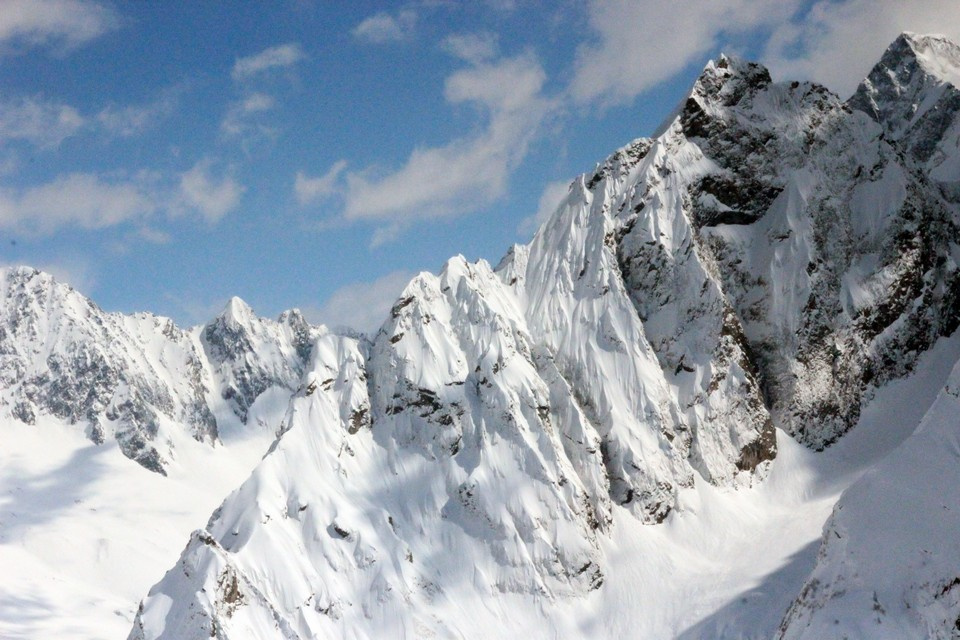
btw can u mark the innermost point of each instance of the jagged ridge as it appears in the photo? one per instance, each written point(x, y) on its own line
point(133, 377)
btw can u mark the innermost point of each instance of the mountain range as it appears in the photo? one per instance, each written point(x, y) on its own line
point(715, 396)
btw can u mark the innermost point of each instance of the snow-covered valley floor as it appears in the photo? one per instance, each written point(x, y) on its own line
point(85, 532)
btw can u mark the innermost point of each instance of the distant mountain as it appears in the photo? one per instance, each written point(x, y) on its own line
point(133, 378)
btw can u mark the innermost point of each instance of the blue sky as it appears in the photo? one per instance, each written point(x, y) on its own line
point(300, 153)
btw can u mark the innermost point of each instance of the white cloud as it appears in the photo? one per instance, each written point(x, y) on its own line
point(237, 122)
point(383, 27)
point(284, 55)
point(553, 193)
point(133, 119)
point(837, 42)
point(256, 102)
point(641, 43)
point(309, 189)
point(43, 123)
point(471, 47)
point(66, 23)
point(363, 306)
point(153, 236)
point(90, 201)
point(78, 199)
point(466, 173)
point(384, 235)
point(212, 198)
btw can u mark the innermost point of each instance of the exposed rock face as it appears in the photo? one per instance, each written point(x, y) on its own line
point(888, 562)
point(250, 354)
point(134, 377)
point(833, 250)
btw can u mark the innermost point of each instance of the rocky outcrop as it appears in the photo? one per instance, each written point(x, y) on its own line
point(250, 355)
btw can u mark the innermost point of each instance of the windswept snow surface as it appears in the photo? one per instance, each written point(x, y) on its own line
point(84, 531)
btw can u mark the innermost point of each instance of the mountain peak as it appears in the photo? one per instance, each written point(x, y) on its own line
point(22, 274)
point(913, 92)
point(936, 55)
point(237, 313)
point(728, 79)
point(25, 288)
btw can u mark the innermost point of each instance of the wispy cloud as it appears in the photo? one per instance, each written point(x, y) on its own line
point(212, 197)
point(63, 23)
point(309, 189)
point(551, 197)
point(466, 173)
point(474, 48)
point(362, 305)
point(637, 45)
point(46, 123)
point(151, 235)
point(130, 120)
point(79, 200)
point(240, 114)
point(384, 27)
point(279, 57)
point(38, 121)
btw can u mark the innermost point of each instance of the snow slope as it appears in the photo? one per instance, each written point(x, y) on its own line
point(889, 563)
point(84, 531)
point(493, 459)
point(726, 564)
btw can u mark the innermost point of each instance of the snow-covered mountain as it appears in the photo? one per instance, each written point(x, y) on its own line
point(689, 407)
point(773, 258)
point(889, 564)
point(134, 378)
